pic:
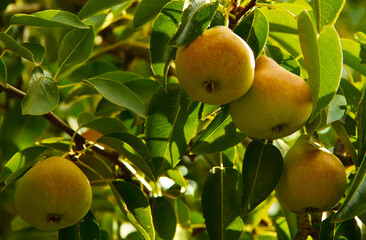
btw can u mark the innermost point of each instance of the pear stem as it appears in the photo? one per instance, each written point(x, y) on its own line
point(240, 12)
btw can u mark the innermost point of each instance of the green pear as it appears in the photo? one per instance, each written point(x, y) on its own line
point(277, 105)
point(53, 194)
point(216, 68)
point(314, 180)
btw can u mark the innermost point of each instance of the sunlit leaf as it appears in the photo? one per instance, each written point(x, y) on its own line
point(337, 108)
point(219, 135)
point(163, 29)
point(135, 207)
point(254, 30)
point(177, 177)
point(195, 19)
point(327, 11)
point(20, 162)
point(169, 126)
point(331, 61)
point(310, 50)
point(352, 55)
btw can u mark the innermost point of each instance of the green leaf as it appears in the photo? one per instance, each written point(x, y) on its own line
point(337, 108)
point(85, 117)
point(352, 94)
point(165, 220)
point(361, 128)
point(48, 18)
point(169, 126)
point(310, 50)
point(221, 204)
point(105, 125)
point(133, 148)
point(37, 51)
point(177, 177)
point(354, 203)
point(76, 47)
point(254, 29)
point(218, 20)
point(326, 12)
point(183, 213)
point(163, 29)
point(120, 76)
point(93, 7)
point(143, 88)
point(86, 229)
point(147, 10)
point(196, 18)
point(284, 59)
point(117, 93)
point(331, 64)
point(20, 49)
point(220, 135)
point(42, 95)
point(262, 169)
point(20, 162)
point(135, 206)
point(352, 55)
point(3, 73)
point(346, 230)
point(361, 38)
point(283, 27)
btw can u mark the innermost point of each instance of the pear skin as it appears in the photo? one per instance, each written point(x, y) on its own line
point(216, 68)
point(53, 194)
point(278, 103)
point(313, 180)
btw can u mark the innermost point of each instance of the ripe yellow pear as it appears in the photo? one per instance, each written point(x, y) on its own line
point(277, 105)
point(53, 194)
point(313, 179)
point(216, 68)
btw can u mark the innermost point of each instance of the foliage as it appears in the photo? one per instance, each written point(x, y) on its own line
point(96, 83)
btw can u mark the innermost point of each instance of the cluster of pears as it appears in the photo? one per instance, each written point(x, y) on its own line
point(53, 194)
point(266, 100)
point(314, 180)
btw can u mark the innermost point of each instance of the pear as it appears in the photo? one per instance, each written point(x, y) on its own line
point(216, 68)
point(53, 194)
point(314, 180)
point(277, 104)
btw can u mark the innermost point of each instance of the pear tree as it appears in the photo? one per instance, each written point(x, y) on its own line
point(182, 119)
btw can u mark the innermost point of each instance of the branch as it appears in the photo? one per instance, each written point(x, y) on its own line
point(240, 12)
point(58, 122)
